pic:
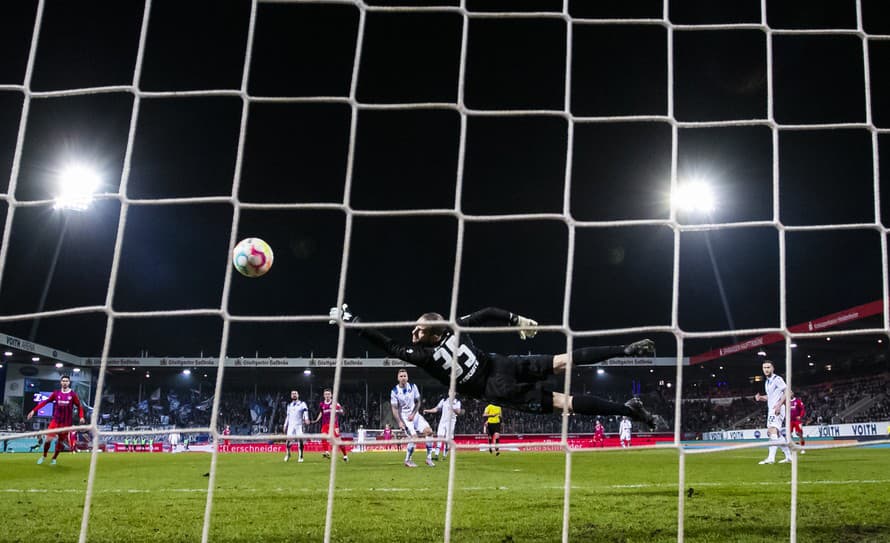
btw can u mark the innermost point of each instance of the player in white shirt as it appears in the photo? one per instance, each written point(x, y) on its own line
point(405, 402)
point(450, 409)
point(624, 432)
point(776, 391)
point(297, 416)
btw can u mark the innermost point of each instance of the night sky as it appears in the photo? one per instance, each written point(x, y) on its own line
point(175, 256)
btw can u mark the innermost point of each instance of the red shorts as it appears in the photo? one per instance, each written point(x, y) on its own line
point(795, 427)
point(53, 424)
point(325, 428)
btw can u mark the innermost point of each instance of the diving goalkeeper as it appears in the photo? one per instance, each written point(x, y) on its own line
point(516, 381)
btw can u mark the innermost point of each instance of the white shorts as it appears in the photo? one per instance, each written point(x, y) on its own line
point(293, 431)
point(445, 431)
point(624, 436)
point(776, 421)
point(419, 424)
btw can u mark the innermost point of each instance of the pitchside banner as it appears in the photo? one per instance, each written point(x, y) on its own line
point(853, 430)
point(241, 362)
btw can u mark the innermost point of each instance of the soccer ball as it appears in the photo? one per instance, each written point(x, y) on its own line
point(252, 257)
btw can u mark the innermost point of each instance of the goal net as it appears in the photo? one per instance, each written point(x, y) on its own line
point(707, 176)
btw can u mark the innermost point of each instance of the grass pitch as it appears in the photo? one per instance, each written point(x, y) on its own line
point(620, 496)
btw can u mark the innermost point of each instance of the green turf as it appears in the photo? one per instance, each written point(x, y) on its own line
point(616, 496)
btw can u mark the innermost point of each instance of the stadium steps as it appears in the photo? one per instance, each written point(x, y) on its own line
point(736, 424)
point(859, 406)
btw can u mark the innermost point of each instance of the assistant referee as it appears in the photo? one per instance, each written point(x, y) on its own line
point(492, 416)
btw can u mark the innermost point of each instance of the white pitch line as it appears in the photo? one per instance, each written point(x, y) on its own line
point(408, 489)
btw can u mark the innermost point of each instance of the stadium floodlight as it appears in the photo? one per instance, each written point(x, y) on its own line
point(59, 365)
point(600, 371)
point(76, 370)
point(7, 353)
point(35, 359)
point(761, 353)
point(307, 372)
point(693, 196)
point(77, 185)
point(186, 372)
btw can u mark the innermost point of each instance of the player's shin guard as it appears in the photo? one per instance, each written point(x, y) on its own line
point(591, 405)
point(410, 452)
point(593, 355)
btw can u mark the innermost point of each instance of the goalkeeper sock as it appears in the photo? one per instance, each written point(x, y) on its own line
point(592, 355)
point(592, 405)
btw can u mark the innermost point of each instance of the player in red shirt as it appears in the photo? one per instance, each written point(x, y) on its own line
point(387, 435)
point(324, 413)
point(63, 402)
point(798, 412)
point(227, 431)
point(599, 434)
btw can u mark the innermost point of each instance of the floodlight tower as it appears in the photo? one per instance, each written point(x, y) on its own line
point(77, 184)
point(696, 197)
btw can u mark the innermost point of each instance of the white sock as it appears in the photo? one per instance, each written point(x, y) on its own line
point(409, 452)
point(774, 440)
point(786, 451)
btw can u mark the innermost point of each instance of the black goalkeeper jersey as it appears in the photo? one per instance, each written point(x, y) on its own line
point(473, 364)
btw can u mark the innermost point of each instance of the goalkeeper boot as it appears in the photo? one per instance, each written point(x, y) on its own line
point(638, 412)
point(644, 347)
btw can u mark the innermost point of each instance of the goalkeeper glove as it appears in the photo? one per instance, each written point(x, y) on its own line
point(644, 347)
point(339, 313)
point(524, 323)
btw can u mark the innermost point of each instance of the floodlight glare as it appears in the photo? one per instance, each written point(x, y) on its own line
point(77, 184)
point(694, 196)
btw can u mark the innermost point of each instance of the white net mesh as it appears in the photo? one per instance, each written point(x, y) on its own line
point(564, 216)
